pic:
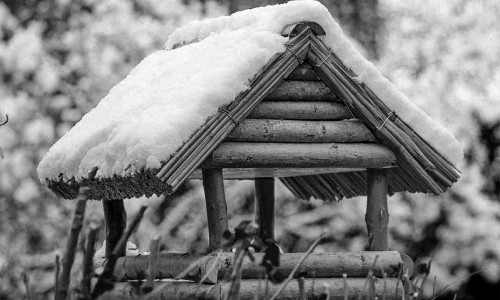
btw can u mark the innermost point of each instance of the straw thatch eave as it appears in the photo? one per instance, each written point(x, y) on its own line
point(420, 167)
point(177, 168)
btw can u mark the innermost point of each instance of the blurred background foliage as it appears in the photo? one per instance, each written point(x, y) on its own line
point(59, 57)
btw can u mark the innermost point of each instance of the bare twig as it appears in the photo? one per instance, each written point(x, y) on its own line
point(259, 288)
point(400, 276)
point(384, 295)
point(214, 265)
point(370, 281)
point(434, 287)
point(58, 270)
point(234, 289)
point(151, 273)
point(313, 284)
point(69, 256)
point(266, 291)
point(105, 282)
point(452, 283)
point(88, 262)
point(302, 292)
point(297, 266)
point(26, 282)
point(420, 293)
point(327, 291)
point(346, 287)
point(6, 120)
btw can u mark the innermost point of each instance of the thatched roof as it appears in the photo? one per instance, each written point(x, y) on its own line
point(419, 166)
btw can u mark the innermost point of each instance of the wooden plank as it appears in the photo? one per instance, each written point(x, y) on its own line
point(301, 110)
point(298, 131)
point(295, 90)
point(249, 287)
point(215, 199)
point(250, 173)
point(264, 207)
point(377, 214)
point(115, 218)
point(303, 72)
point(295, 155)
point(317, 264)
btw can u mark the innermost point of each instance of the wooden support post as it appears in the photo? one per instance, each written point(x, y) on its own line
point(377, 215)
point(264, 207)
point(116, 221)
point(215, 199)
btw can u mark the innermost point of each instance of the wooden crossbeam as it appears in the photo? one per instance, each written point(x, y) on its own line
point(296, 155)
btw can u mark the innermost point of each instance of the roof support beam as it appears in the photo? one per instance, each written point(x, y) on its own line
point(377, 214)
point(296, 155)
point(215, 199)
point(264, 207)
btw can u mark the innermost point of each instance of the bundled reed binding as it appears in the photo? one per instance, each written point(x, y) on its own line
point(224, 111)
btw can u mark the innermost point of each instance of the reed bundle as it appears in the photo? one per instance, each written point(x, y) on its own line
point(420, 167)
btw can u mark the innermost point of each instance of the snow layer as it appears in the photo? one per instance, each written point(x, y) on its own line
point(146, 117)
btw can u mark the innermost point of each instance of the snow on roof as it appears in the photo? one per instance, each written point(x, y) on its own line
point(145, 118)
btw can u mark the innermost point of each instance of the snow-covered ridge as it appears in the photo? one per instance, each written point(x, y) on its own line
point(145, 118)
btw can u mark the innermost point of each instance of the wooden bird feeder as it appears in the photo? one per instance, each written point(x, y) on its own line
point(307, 121)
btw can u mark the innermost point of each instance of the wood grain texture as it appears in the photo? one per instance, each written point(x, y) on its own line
point(250, 173)
point(295, 155)
point(303, 72)
point(264, 207)
point(215, 199)
point(301, 110)
point(168, 265)
point(377, 214)
point(296, 131)
point(301, 90)
point(356, 287)
point(317, 264)
point(249, 288)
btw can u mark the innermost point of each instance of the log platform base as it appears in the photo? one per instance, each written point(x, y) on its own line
point(336, 288)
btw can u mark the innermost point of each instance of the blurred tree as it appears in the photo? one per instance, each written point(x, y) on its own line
point(360, 18)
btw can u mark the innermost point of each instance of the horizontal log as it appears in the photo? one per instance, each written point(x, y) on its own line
point(168, 289)
point(169, 265)
point(324, 264)
point(301, 110)
point(312, 287)
point(295, 90)
point(320, 265)
point(298, 131)
point(249, 287)
point(296, 155)
point(303, 72)
point(250, 173)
